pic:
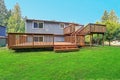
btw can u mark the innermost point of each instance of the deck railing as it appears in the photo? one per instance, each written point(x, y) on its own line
point(77, 40)
point(98, 28)
point(29, 40)
point(69, 29)
point(78, 37)
point(92, 28)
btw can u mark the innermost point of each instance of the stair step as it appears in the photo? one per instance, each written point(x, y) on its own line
point(58, 48)
point(66, 47)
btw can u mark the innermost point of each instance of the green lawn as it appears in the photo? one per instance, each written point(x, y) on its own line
point(89, 63)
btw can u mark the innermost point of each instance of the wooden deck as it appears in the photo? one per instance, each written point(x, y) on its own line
point(73, 38)
point(40, 45)
point(57, 46)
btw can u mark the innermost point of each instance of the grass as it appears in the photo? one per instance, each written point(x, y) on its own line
point(89, 63)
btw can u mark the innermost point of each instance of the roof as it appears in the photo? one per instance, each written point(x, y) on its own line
point(54, 21)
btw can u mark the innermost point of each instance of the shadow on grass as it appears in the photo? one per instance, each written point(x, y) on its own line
point(33, 50)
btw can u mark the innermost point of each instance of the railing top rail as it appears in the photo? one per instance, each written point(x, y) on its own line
point(30, 34)
point(97, 24)
point(72, 25)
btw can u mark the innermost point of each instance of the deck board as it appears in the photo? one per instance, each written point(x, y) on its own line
point(39, 44)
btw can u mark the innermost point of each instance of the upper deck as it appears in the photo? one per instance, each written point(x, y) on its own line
point(90, 28)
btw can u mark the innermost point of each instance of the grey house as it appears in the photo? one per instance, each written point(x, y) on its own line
point(46, 27)
point(2, 36)
point(61, 36)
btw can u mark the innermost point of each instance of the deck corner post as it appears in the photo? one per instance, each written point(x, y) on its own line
point(8, 40)
point(103, 39)
point(75, 39)
point(98, 39)
point(33, 40)
point(53, 39)
point(90, 40)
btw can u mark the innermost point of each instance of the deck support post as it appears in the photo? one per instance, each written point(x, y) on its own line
point(75, 39)
point(91, 38)
point(69, 38)
point(97, 39)
point(103, 39)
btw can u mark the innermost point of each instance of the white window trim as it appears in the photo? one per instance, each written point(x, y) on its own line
point(40, 36)
point(37, 23)
point(60, 25)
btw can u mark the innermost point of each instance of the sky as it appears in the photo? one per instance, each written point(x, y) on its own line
point(78, 11)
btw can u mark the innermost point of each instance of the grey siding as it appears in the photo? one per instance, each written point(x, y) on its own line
point(29, 39)
point(49, 28)
point(45, 39)
point(2, 42)
point(2, 31)
point(77, 27)
point(59, 39)
point(53, 28)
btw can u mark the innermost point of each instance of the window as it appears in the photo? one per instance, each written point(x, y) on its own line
point(38, 25)
point(62, 25)
point(35, 25)
point(38, 39)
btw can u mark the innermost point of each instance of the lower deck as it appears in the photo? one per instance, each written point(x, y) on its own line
point(40, 45)
point(30, 40)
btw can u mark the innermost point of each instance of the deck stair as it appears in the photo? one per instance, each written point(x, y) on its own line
point(76, 32)
point(58, 48)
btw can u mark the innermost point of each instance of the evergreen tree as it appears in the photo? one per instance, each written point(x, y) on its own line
point(7, 18)
point(105, 16)
point(16, 22)
point(113, 17)
point(3, 13)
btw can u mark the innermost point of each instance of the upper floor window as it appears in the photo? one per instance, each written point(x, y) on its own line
point(38, 25)
point(62, 25)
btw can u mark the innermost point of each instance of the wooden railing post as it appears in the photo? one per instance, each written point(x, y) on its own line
point(33, 40)
point(8, 40)
point(53, 39)
point(75, 39)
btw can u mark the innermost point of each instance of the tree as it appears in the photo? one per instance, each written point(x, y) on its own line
point(117, 33)
point(3, 13)
point(105, 16)
point(113, 17)
point(111, 31)
point(112, 24)
point(7, 17)
point(16, 22)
